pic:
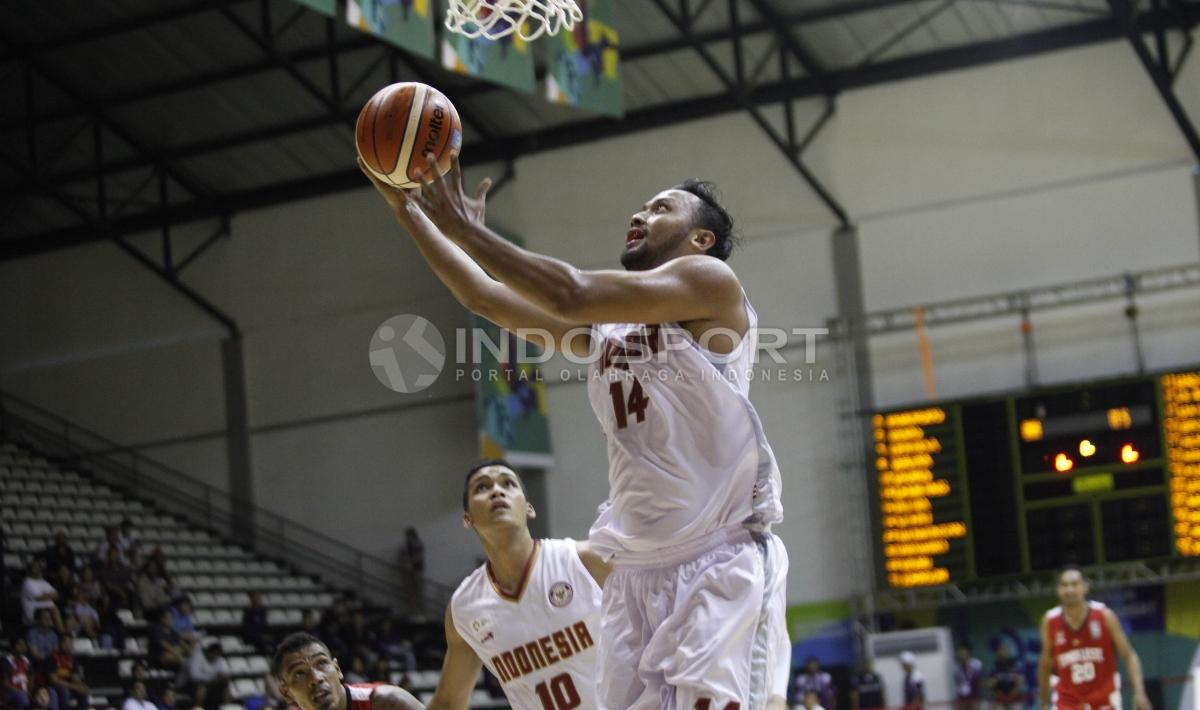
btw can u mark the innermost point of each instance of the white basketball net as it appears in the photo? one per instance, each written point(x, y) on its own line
point(494, 19)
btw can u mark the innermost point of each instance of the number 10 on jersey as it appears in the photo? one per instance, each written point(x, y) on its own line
point(635, 405)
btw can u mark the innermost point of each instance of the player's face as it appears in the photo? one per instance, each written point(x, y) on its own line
point(495, 497)
point(312, 679)
point(1072, 587)
point(658, 229)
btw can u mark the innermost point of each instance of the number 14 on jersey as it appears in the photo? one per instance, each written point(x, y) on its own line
point(635, 405)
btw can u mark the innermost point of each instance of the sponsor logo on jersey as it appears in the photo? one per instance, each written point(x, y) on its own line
point(545, 651)
point(1093, 654)
point(561, 594)
point(1094, 626)
point(1059, 638)
point(481, 627)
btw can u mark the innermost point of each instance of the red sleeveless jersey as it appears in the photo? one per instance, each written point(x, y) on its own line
point(359, 695)
point(1085, 662)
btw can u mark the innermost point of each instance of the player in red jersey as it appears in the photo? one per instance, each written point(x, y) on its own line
point(309, 677)
point(1080, 642)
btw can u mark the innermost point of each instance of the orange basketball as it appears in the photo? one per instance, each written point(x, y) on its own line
point(400, 124)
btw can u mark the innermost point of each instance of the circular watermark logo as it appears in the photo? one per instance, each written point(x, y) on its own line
point(407, 353)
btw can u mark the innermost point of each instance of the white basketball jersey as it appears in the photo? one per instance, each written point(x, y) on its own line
point(540, 643)
point(686, 451)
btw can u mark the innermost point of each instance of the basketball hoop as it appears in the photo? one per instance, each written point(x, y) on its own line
point(494, 19)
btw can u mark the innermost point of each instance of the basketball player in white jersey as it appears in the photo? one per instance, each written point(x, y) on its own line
point(531, 614)
point(693, 613)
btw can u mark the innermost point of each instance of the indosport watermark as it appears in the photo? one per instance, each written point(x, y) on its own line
point(408, 354)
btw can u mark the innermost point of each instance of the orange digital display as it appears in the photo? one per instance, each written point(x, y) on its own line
point(1181, 423)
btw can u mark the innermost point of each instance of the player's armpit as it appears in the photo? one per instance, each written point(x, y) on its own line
point(689, 288)
point(460, 670)
point(595, 564)
point(389, 697)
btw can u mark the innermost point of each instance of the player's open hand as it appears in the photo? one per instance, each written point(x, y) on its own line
point(1141, 702)
point(442, 199)
point(396, 198)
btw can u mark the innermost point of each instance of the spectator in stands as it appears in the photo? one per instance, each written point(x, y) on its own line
point(255, 629)
point(66, 677)
point(309, 676)
point(38, 594)
point(167, 700)
point(866, 689)
point(309, 621)
point(182, 618)
point(111, 541)
point(128, 537)
point(164, 649)
point(814, 680)
point(18, 674)
point(136, 699)
point(1007, 681)
point(112, 627)
point(208, 675)
point(153, 587)
point(62, 578)
point(42, 639)
point(381, 670)
point(968, 678)
point(89, 584)
point(116, 578)
point(914, 682)
point(42, 698)
point(361, 638)
point(412, 561)
point(358, 671)
point(59, 553)
point(811, 701)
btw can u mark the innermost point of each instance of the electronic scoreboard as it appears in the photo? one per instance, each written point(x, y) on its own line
point(995, 487)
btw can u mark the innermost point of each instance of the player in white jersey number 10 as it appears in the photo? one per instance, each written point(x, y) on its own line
point(530, 614)
point(693, 613)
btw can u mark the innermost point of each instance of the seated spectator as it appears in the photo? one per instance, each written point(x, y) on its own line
point(136, 700)
point(42, 639)
point(381, 671)
point(89, 585)
point(85, 615)
point(814, 680)
point(309, 622)
point(116, 578)
point(59, 553)
point(38, 594)
point(208, 675)
point(112, 628)
point(66, 677)
point(63, 579)
point(167, 700)
point(182, 619)
point(18, 673)
point(111, 542)
point(164, 644)
point(1007, 681)
point(255, 629)
point(127, 537)
point(43, 699)
point(153, 588)
point(968, 678)
point(812, 701)
point(358, 671)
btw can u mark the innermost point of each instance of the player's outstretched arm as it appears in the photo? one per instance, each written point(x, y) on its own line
point(470, 284)
point(389, 697)
point(685, 289)
point(1045, 666)
point(460, 671)
point(1133, 664)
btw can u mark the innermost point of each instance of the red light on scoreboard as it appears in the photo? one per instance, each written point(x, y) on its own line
point(1063, 463)
point(1130, 454)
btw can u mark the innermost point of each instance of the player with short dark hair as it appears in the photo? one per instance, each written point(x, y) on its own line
point(530, 614)
point(310, 677)
point(1081, 640)
point(695, 603)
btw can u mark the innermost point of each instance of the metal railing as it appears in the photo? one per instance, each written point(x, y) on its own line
point(267, 533)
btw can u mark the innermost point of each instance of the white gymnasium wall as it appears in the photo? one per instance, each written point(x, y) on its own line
point(1028, 173)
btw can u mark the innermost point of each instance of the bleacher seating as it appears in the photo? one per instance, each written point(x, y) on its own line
point(38, 498)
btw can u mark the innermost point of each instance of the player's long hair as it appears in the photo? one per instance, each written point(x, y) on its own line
point(712, 216)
